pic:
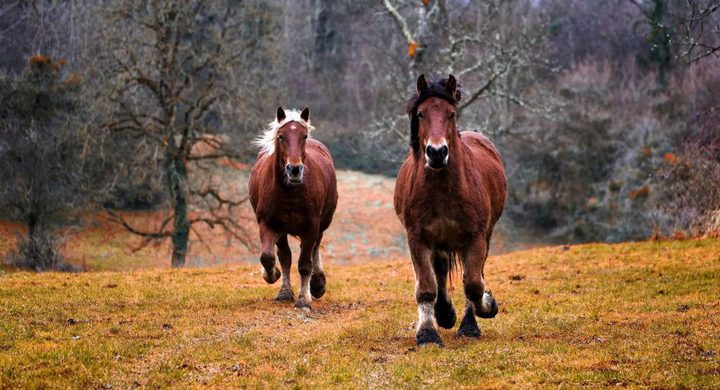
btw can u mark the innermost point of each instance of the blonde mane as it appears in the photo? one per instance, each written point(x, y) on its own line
point(266, 141)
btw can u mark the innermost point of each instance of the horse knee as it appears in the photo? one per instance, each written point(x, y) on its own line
point(474, 290)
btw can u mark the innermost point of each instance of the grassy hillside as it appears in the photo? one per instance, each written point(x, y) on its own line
point(637, 314)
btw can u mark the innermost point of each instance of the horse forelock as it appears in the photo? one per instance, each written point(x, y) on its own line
point(266, 141)
point(436, 88)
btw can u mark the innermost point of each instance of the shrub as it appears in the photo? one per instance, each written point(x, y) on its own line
point(689, 201)
point(39, 252)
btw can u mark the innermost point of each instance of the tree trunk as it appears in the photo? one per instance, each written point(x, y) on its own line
point(177, 177)
point(32, 222)
point(660, 40)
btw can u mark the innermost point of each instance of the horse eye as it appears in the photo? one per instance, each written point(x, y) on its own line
point(305, 137)
point(452, 115)
point(419, 114)
point(280, 137)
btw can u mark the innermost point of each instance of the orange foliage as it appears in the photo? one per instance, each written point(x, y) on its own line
point(670, 158)
point(646, 151)
point(412, 48)
point(39, 59)
point(426, 2)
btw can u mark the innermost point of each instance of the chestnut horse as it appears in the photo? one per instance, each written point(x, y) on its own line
point(449, 194)
point(293, 191)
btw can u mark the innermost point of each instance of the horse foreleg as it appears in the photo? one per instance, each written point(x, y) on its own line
point(444, 312)
point(268, 238)
point(317, 281)
point(480, 302)
point(425, 294)
point(305, 268)
point(285, 257)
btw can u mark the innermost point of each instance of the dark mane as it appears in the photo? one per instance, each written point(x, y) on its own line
point(436, 88)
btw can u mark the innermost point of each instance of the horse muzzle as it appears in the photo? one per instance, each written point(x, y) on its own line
point(436, 157)
point(294, 173)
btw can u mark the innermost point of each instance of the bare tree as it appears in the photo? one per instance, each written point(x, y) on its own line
point(690, 28)
point(494, 48)
point(479, 51)
point(170, 61)
point(700, 30)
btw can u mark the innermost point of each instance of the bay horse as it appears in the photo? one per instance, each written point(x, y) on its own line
point(293, 191)
point(449, 194)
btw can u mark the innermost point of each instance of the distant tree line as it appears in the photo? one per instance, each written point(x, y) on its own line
point(605, 112)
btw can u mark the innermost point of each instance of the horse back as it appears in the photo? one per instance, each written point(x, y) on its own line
point(485, 160)
point(318, 159)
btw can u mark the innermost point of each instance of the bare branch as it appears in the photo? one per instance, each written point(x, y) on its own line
point(399, 21)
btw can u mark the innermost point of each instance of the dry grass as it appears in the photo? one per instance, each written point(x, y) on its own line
point(637, 314)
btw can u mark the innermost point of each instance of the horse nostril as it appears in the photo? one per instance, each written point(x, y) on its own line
point(296, 170)
point(429, 151)
point(444, 151)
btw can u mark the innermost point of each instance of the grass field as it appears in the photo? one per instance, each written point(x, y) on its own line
point(636, 314)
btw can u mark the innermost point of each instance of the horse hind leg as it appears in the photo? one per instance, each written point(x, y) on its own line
point(444, 311)
point(317, 281)
point(305, 268)
point(479, 301)
point(268, 238)
point(285, 257)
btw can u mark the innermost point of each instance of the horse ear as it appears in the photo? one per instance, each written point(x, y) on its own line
point(280, 114)
point(305, 114)
point(421, 83)
point(451, 85)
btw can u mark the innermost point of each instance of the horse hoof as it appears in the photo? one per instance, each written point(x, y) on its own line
point(445, 315)
point(285, 295)
point(272, 277)
point(468, 331)
point(488, 308)
point(427, 336)
point(303, 305)
point(317, 285)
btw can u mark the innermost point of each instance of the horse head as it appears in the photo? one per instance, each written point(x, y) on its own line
point(433, 118)
point(288, 135)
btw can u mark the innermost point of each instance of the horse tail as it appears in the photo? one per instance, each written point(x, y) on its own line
point(455, 264)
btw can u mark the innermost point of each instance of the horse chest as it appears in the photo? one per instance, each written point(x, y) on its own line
point(447, 232)
point(287, 217)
